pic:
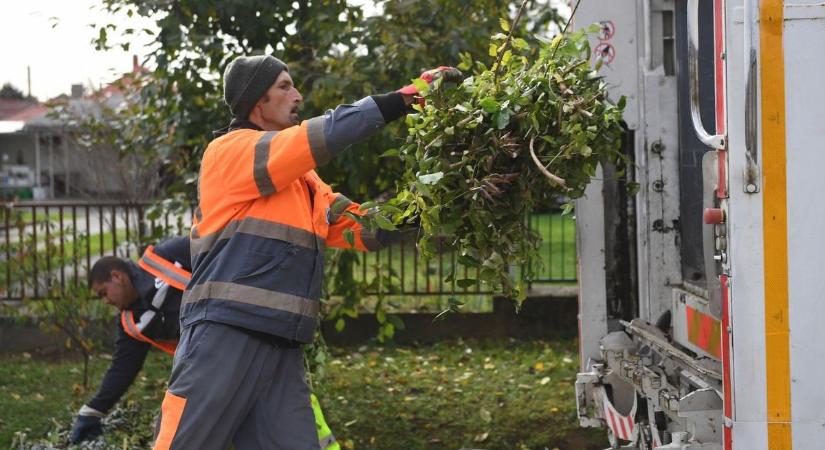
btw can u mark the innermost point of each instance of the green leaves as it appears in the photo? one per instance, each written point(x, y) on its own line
point(421, 85)
point(478, 157)
point(501, 119)
point(489, 105)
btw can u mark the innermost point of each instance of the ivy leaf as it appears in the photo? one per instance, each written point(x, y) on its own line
point(349, 236)
point(505, 24)
point(383, 222)
point(390, 209)
point(489, 104)
point(396, 322)
point(431, 178)
point(502, 119)
point(421, 85)
point(367, 205)
point(469, 261)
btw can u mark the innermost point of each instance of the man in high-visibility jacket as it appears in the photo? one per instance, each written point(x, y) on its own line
point(258, 239)
point(148, 295)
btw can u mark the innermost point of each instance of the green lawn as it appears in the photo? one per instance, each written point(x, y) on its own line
point(25, 216)
point(558, 246)
point(486, 395)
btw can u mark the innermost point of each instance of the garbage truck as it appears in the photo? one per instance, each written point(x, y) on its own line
point(702, 297)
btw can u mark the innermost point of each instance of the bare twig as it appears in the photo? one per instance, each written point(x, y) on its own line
point(552, 177)
point(566, 26)
point(509, 38)
point(572, 14)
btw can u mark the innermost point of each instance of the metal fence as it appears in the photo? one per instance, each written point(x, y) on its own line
point(50, 246)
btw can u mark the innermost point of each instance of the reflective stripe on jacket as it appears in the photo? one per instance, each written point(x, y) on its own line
point(127, 320)
point(170, 272)
point(325, 436)
point(264, 220)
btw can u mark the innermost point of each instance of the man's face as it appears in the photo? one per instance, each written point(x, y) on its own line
point(278, 108)
point(118, 291)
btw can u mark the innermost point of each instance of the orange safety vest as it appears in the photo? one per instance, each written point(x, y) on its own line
point(259, 233)
point(127, 320)
point(171, 275)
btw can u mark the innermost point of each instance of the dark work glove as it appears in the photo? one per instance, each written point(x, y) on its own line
point(449, 74)
point(86, 428)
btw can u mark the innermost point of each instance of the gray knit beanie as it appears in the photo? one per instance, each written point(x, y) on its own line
point(246, 79)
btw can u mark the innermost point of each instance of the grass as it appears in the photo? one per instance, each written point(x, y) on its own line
point(484, 395)
point(26, 217)
point(39, 395)
point(558, 246)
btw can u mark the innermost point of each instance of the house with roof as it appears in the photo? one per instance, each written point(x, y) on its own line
point(41, 156)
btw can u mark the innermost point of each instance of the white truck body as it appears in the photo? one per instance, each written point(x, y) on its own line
point(701, 298)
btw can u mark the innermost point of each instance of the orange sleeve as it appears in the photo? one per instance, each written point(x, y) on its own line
point(291, 153)
point(340, 222)
point(365, 240)
point(253, 164)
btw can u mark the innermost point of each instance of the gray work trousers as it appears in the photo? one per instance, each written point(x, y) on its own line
point(230, 387)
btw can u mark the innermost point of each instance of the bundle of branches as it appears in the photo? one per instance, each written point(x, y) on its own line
point(524, 134)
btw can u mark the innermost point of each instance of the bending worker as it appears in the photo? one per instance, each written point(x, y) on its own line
point(258, 239)
point(148, 295)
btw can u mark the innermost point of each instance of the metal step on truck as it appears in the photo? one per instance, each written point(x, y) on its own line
point(702, 297)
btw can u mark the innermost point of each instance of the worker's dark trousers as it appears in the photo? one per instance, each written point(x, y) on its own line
point(230, 387)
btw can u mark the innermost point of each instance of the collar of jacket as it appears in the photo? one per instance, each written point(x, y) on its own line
point(144, 284)
point(236, 124)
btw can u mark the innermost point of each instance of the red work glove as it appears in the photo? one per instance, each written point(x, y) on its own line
point(450, 74)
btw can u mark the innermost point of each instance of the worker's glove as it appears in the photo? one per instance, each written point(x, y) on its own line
point(86, 428)
point(449, 74)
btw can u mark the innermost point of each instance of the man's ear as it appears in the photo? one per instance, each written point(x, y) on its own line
point(255, 114)
point(117, 275)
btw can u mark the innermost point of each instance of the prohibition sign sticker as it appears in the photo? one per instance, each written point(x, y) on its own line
point(607, 31)
point(606, 52)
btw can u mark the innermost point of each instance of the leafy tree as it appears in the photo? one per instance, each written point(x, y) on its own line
point(70, 311)
point(335, 55)
point(182, 98)
point(8, 91)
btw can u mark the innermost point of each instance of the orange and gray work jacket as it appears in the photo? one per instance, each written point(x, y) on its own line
point(152, 320)
point(265, 218)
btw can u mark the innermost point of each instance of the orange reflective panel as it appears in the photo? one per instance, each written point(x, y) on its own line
point(171, 412)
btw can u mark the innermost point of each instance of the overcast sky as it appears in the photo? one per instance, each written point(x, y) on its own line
point(54, 37)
